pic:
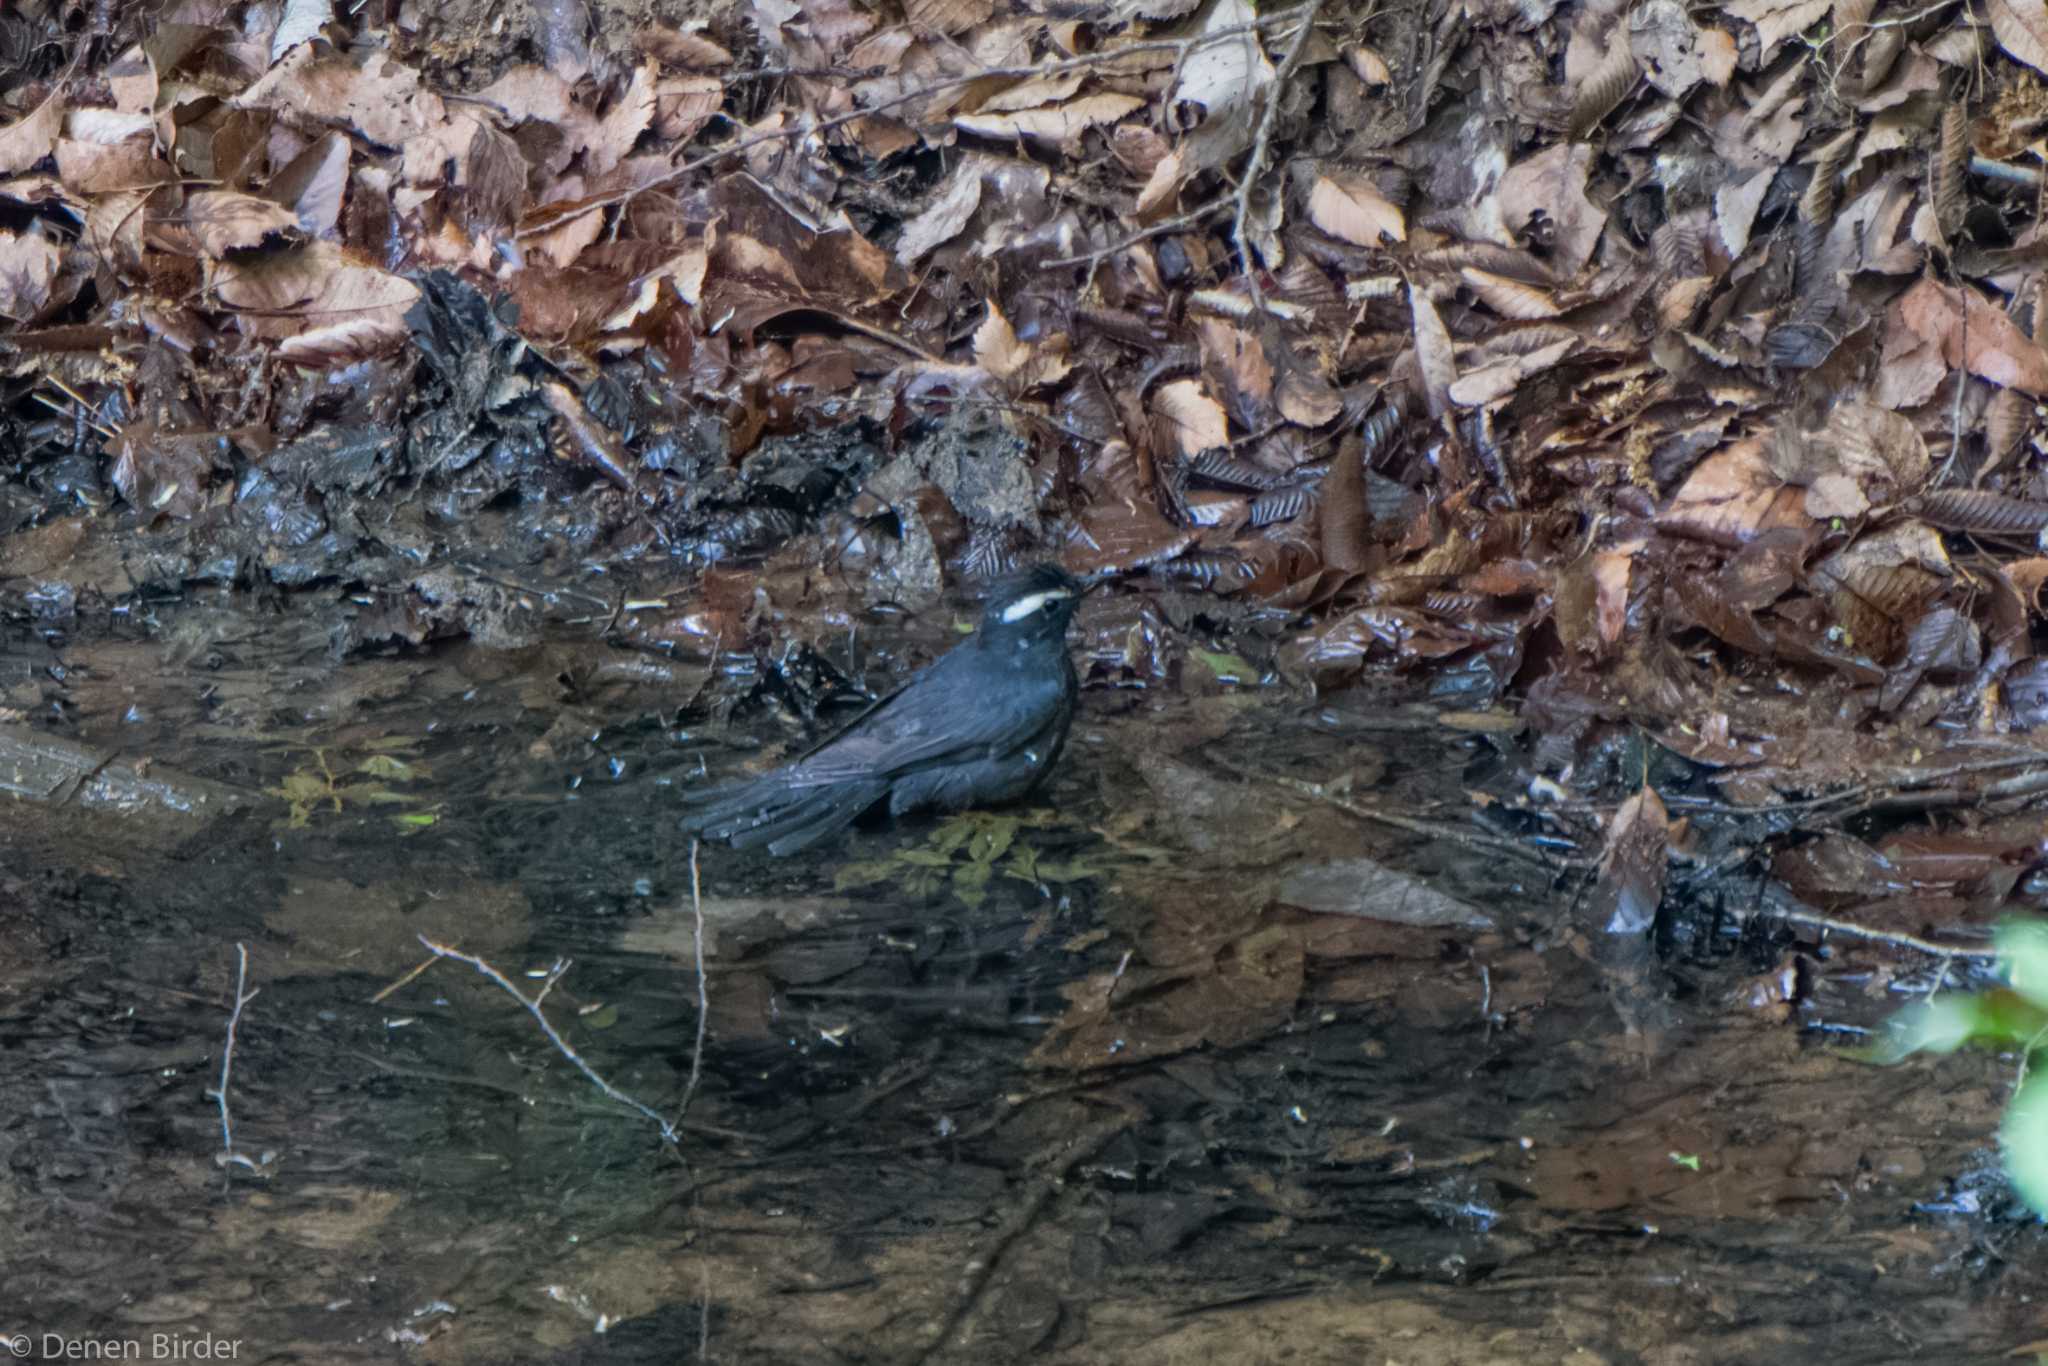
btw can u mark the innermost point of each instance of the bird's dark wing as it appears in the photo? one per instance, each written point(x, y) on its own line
point(936, 718)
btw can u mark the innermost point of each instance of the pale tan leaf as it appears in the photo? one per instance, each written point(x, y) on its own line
point(948, 16)
point(684, 104)
point(1717, 57)
point(131, 79)
point(624, 122)
point(943, 218)
point(1735, 209)
point(1369, 66)
point(562, 243)
point(996, 348)
point(1030, 94)
point(2021, 27)
point(1434, 357)
point(1164, 184)
point(226, 220)
point(1490, 383)
point(1777, 20)
point(312, 184)
point(1510, 298)
point(1054, 122)
point(1196, 420)
point(28, 269)
point(1229, 73)
point(28, 140)
point(691, 51)
point(1552, 184)
point(1346, 205)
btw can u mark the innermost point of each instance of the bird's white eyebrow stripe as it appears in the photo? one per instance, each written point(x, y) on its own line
point(1024, 607)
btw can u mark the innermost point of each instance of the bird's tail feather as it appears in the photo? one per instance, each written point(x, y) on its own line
point(785, 819)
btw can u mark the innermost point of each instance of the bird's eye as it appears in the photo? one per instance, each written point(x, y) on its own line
point(1036, 602)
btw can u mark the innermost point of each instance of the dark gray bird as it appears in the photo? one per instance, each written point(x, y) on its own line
point(980, 727)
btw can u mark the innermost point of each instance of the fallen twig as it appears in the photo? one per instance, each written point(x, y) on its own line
point(703, 989)
point(1431, 829)
point(1897, 938)
point(532, 1004)
point(229, 1155)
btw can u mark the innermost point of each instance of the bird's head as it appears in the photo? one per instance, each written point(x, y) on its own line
point(1032, 603)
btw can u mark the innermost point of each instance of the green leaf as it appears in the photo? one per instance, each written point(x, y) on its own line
point(949, 837)
point(603, 1018)
point(1689, 1161)
point(1023, 863)
point(970, 884)
point(865, 873)
point(2023, 947)
point(2024, 1136)
point(924, 858)
point(993, 840)
point(1227, 668)
point(396, 770)
point(412, 822)
point(1067, 872)
point(1946, 1023)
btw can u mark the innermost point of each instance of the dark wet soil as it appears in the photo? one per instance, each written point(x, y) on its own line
point(1081, 1083)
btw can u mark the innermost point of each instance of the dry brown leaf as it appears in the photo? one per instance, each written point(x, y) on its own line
point(1305, 398)
point(1018, 364)
point(2021, 27)
point(1974, 333)
point(1196, 420)
point(131, 80)
point(1029, 94)
point(562, 243)
point(1633, 865)
point(114, 228)
point(322, 299)
point(683, 272)
point(948, 16)
point(1346, 205)
point(382, 99)
point(684, 104)
point(28, 269)
point(1369, 66)
point(1510, 298)
point(1732, 497)
point(624, 122)
point(691, 51)
point(312, 184)
point(227, 220)
point(1607, 87)
point(1434, 359)
point(1553, 183)
point(942, 219)
point(1717, 56)
point(1777, 20)
point(1477, 388)
point(1162, 186)
point(1057, 123)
